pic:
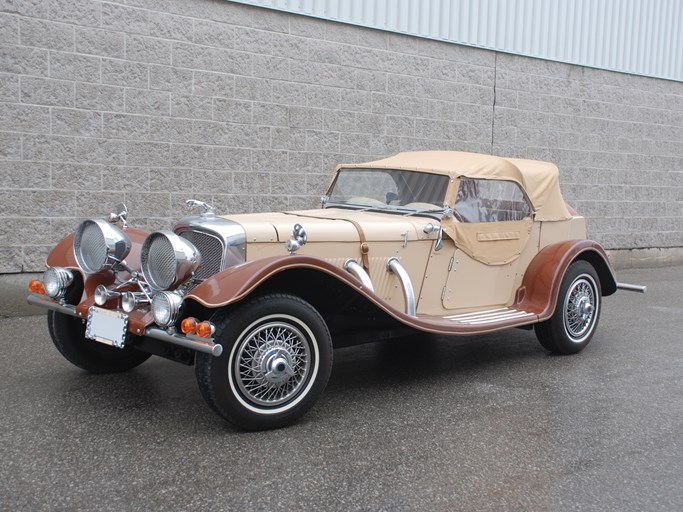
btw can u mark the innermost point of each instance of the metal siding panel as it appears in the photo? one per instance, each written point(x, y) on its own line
point(632, 36)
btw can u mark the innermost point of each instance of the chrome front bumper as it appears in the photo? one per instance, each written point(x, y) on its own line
point(205, 345)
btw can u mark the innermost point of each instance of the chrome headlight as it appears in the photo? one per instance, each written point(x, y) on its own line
point(56, 280)
point(98, 245)
point(167, 260)
point(166, 308)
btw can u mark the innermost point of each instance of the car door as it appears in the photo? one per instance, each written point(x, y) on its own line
point(491, 226)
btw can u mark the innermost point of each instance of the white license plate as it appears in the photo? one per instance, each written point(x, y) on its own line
point(108, 327)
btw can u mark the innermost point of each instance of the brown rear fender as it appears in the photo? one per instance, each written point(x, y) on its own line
point(235, 283)
point(543, 277)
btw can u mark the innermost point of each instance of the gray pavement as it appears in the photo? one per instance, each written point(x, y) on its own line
point(430, 423)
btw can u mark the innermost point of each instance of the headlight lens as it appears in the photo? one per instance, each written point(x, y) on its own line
point(98, 244)
point(56, 280)
point(166, 308)
point(167, 260)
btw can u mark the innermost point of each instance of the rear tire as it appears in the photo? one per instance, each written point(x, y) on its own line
point(577, 312)
point(276, 361)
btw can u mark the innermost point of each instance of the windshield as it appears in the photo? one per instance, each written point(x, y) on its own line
point(389, 189)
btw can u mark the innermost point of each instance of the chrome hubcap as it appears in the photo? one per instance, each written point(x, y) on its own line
point(579, 308)
point(272, 363)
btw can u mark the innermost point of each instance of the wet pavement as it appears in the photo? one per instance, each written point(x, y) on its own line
point(430, 423)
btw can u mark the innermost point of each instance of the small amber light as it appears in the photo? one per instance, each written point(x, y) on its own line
point(36, 286)
point(204, 329)
point(188, 325)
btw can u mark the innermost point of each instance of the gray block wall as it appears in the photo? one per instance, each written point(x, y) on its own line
point(154, 101)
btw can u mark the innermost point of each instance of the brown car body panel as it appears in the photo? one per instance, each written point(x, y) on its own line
point(543, 277)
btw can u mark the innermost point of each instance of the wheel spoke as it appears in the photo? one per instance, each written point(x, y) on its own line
point(272, 363)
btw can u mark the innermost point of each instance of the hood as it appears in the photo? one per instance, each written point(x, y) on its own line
point(330, 225)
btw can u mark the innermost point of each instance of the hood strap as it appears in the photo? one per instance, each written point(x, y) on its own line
point(364, 247)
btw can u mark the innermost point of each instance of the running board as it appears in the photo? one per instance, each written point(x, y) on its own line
point(492, 317)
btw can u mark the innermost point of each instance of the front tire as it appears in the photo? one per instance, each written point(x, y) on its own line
point(276, 361)
point(68, 335)
point(577, 312)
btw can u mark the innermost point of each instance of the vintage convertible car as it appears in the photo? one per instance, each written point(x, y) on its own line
point(442, 242)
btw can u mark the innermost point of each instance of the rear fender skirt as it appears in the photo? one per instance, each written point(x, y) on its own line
point(543, 277)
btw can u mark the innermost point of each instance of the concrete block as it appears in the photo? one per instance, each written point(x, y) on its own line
point(9, 88)
point(359, 101)
point(193, 107)
point(232, 62)
point(370, 123)
point(72, 66)
point(25, 118)
point(233, 159)
point(24, 175)
point(339, 121)
point(23, 61)
point(168, 129)
point(11, 260)
point(167, 26)
point(146, 154)
point(169, 179)
point(401, 126)
point(293, 139)
point(269, 161)
point(324, 51)
point(257, 89)
point(84, 123)
point(95, 41)
point(77, 12)
point(217, 181)
point(232, 111)
point(368, 80)
point(42, 91)
point(127, 179)
point(99, 97)
point(355, 142)
point(167, 78)
point(124, 19)
point(10, 146)
point(322, 97)
point(213, 84)
point(76, 177)
point(214, 34)
point(124, 73)
point(266, 66)
point(148, 49)
point(186, 55)
point(191, 155)
point(142, 101)
point(321, 74)
point(401, 84)
point(290, 93)
point(270, 114)
point(325, 142)
point(32, 8)
point(304, 117)
point(43, 33)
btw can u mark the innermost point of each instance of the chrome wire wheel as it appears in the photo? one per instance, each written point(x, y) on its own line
point(272, 363)
point(581, 305)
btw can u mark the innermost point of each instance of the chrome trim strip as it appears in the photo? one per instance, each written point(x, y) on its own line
point(513, 316)
point(205, 345)
point(44, 302)
point(631, 287)
point(477, 313)
point(353, 268)
point(491, 316)
point(394, 266)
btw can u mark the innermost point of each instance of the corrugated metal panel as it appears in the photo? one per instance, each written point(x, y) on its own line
point(643, 37)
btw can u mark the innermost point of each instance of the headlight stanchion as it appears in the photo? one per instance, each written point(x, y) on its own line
point(56, 280)
point(166, 308)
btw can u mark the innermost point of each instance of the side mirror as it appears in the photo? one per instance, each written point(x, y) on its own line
point(120, 214)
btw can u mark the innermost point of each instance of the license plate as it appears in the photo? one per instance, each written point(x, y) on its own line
point(106, 326)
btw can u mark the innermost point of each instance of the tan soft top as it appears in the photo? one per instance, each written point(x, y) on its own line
point(540, 180)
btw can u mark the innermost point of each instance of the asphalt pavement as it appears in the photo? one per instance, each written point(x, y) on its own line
point(426, 423)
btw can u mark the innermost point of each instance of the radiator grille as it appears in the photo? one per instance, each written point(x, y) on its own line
point(211, 250)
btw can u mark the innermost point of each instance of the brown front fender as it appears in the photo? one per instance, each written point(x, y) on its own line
point(543, 277)
point(235, 283)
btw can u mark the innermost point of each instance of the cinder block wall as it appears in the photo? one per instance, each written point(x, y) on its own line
point(154, 101)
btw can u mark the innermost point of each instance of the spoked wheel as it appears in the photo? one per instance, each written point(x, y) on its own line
point(276, 361)
point(577, 312)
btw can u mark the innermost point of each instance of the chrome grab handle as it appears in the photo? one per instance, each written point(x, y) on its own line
point(352, 267)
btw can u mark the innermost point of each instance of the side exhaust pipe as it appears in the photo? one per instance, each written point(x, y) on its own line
point(631, 287)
